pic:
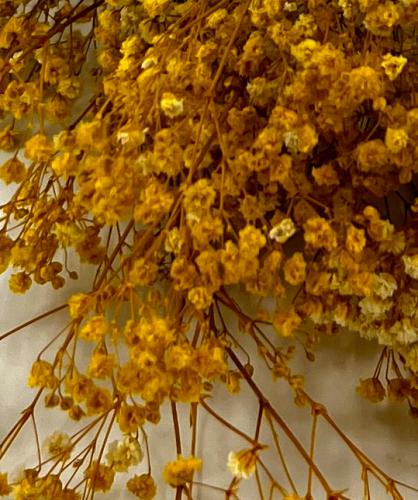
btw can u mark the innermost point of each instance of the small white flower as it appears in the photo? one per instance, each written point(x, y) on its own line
point(171, 105)
point(347, 7)
point(144, 165)
point(385, 285)
point(405, 331)
point(58, 445)
point(290, 6)
point(192, 218)
point(374, 307)
point(124, 454)
point(148, 62)
point(283, 231)
point(411, 265)
point(122, 137)
point(242, 463)
point(291, 141)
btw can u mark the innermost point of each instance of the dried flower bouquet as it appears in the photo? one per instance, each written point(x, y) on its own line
point(196, 152)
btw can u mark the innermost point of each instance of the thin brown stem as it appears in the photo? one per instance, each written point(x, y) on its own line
point(311, 452)
point(32, 321)
point(227, 424)
point(176, 427)
point(279, 420)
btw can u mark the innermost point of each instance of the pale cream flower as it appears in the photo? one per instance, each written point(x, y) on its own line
point(283, 231)
point(124, 454)
point(242, 463)
point(374, 307)
point(405, 331)
point(171, 105)
point(385, 285)
point(58, 445)
point(411, 265)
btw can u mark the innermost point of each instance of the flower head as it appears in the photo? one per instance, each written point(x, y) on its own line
point(242, 464)
point(181, 471)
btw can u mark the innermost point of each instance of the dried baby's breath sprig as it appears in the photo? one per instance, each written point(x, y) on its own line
point(187, 149)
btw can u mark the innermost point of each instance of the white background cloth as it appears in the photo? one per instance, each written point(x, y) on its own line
point(385, 431)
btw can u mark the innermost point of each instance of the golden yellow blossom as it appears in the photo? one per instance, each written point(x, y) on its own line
point(143, 487)
point(251, 240)
point(393, 65)
point(130, 418)
point(181, 471)
point(192, 153)
point(101, 365)
point(143, 272)
point(42, 375)
point(325, 175)
point(295, 269)
point(5, 488)
point(356, 239)
point(371, 389)
point(12, 170)
point(319, 234)
point(20, 282)
point(78, 304)
point(95, 329)
point(200, 297)
point(39, 148)
point(98, 400)
point(99, 476)
point(412, 357)
point(396, 139)
point(304, 50)
point(286, 321)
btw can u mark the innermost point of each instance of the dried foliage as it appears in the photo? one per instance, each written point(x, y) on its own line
point(189, 149)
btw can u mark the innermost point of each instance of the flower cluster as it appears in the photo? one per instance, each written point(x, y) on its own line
point(187, 149)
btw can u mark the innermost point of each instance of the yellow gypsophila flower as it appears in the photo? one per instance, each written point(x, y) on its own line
point(396, 139)
point(101, 365)
point(286, 321)
point(78, 304)
point(181, 471)
point(200, 297)
point(371, 389)
point(356, 239)
point(42, 375)
point(319, 233)
point(39, 148)
point(99, 476)
point(13, 170)
point(143, 486)
point(295, 269)
point(393, 65)
point(95, 329)
point(5, 488)
point(20, 282)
